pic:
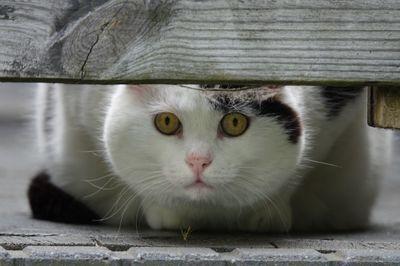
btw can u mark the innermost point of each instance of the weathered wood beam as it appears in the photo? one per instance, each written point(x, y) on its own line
point(384, 107)
point(281, 41)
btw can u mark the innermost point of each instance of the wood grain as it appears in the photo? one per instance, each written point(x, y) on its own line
point(384, 107)
point(257, 41)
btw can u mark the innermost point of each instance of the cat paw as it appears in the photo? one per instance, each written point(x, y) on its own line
point(162, 218)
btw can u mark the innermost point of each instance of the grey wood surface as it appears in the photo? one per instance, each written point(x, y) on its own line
point(99, 41)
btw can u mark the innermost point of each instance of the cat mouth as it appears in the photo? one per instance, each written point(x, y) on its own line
point(199, 184)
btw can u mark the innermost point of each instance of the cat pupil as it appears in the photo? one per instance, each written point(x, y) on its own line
point(235, 122)
point(167, 120)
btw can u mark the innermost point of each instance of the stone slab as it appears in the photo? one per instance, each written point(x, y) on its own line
point(76, 255)
point(327, 245)
point(281, 256)
point(371, 257)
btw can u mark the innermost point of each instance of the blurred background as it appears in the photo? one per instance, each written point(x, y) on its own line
point(16, 101)
point(18, 157)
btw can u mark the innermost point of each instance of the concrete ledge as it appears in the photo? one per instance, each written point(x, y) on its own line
point(371, 256)
point(79, 256)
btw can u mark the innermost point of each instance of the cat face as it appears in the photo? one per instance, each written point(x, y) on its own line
point(174, 145)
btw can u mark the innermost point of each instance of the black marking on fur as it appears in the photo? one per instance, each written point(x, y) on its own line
point(226, 104)
point(336, 98)
point(271, 107)
point(49, 202)
point(284, 114)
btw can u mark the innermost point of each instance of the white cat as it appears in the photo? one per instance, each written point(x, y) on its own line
point(265, 159)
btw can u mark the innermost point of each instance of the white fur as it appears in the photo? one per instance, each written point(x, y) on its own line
point(105, 151)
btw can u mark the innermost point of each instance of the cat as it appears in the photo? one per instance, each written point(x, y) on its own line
point(212, 157)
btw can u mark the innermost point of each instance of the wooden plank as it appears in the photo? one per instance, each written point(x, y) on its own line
point(278, 41)
point(384, 107)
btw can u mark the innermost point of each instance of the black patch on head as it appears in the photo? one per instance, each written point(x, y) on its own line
point(336, 98)
point(225, 104)
point(271, 107)
point(284, 114)
point(49, 202)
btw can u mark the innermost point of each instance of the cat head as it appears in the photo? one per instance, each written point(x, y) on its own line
point(176, 145)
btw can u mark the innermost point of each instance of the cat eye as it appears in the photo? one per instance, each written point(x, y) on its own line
point(167, 123)
point(234, 124)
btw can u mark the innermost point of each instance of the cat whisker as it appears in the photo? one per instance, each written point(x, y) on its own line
point(281, 218)
point(112, 175)
point(269, 202)
point(108, 174)
point(146, 201)
point(148, 179)
point(246, 182)
point(322, 163)
point(143, 173)
point(163, 187)
point(266, 199)
point(260, 197)
point(110, 213)
point(265, 205)
point(104, 189)
point(127, 205)
point(141, 211)
point(226, 188)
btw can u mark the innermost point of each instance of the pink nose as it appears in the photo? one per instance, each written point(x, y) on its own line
point(198, 163)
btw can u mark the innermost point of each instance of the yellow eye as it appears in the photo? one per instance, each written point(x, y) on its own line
point(167, 123)
point(234, 124)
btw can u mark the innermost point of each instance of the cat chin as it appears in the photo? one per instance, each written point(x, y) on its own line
point(199, 194)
